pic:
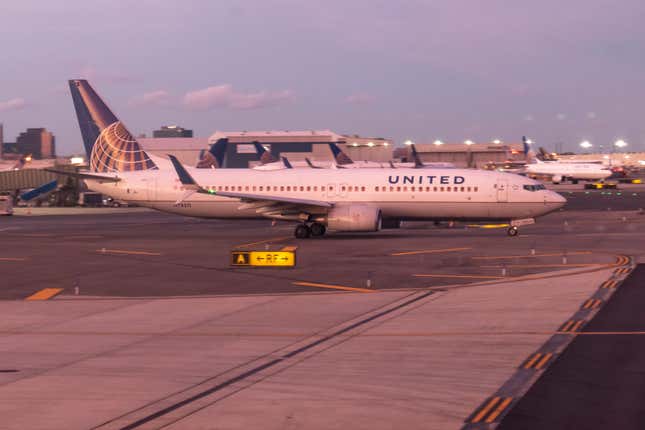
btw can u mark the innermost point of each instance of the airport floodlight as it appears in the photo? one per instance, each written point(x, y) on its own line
point(370, 144)
point(76, 160)
point(386, 143)
point(28, 158)
point(355, 144)
point(620, 143)
point(529, 141)
point(497, 141)
point(468, 142)
point(408, 142)
point(438, 142)
point(586, 144)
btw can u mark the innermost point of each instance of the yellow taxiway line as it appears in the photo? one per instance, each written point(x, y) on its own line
point(558, 254)
point(527, 266)
point(333, 287)
point(275, 239)
point(12, 259)
point(438, 275)
point(126, 252)
point(45, 294)
point(430, 251)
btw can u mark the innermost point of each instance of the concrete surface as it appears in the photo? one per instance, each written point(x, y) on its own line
point(84, 363)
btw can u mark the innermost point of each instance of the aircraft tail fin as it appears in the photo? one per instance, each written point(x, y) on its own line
point(418, 164)
point(108, 144)
point(339, 156)
point(214, 157)
point(265, 156)
point(286, 163)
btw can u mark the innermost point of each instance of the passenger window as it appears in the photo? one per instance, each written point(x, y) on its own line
point(435, 189)
point(398, 189)
point(246, 188)
point(468, 189)
point(316, 188)
point(448, 189)
point(376, 188)
point(405, 189)
point(427, 189)
point(362, 188)
point(412, 189)
point(281, 187)
point(462, 189)
point(342, 188)
point(308, 188)
point(260, 187)
point(441, 189)
point(476, 188)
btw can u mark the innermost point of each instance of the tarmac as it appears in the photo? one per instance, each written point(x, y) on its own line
point(136, 319)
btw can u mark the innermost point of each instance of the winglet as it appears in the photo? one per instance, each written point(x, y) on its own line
point(310, 164)
point(392, 164)
point(184, 177)
point(286, 163)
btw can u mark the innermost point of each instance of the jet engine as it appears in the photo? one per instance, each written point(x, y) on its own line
point(354, 218)
point(556, 179)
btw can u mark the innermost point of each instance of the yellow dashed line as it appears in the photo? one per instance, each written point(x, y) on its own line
point(333, 287)
point(289, 248)
point(532, 361)
point(499, 409)
point(126, 252)
point(429, 251)
point(544, 360)
point(12, 259)
point(491, 403)
point(45, 294)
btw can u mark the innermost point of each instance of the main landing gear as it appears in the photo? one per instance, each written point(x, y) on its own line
point(304, 231)
point(512, 231)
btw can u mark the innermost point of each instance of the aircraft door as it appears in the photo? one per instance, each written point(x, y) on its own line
point(151, 189)
point(332, 190)
point(502, 190)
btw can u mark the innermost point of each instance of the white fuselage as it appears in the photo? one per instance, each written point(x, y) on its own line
point(583, 171)
point(439, 194)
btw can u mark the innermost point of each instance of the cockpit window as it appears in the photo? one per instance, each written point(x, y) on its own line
point(536, 187)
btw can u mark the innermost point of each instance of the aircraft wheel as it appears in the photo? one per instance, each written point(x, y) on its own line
point(513, 231)
point(302, 231)
point(317, 229)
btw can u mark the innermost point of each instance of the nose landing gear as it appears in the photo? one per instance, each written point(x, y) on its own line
point(513, 231)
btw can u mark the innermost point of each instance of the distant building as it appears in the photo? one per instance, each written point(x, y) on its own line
point(172, 131)
point(475, 155)
point(1, 139)
point(38, 142)
point(298, 145)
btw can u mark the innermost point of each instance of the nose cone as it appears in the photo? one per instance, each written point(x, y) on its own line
point(555, 201)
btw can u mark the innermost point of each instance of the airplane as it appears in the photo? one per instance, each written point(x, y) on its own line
point(559, 171)
point(354, 200)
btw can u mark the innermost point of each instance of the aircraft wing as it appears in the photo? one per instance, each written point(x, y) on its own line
point(81, 175)
point(267, 205)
